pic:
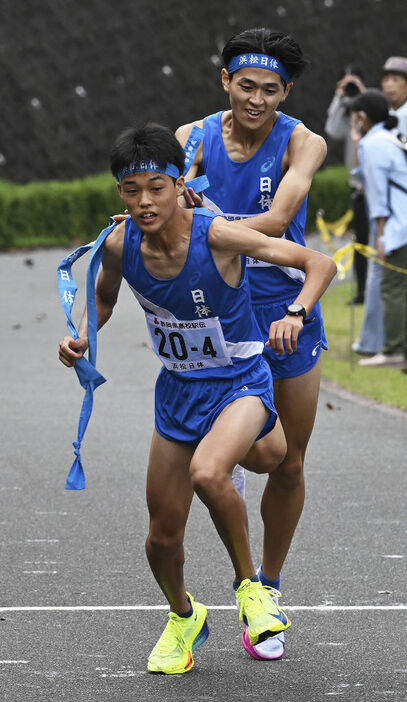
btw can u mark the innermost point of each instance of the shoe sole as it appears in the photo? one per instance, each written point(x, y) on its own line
point(202, 636)
point(199, 639)
point(252, 651)
point(268, 634)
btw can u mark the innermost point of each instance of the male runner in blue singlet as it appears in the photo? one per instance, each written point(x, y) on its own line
point(260, 163)
point(214, 394)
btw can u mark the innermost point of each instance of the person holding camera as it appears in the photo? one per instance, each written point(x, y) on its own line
point(337, 127)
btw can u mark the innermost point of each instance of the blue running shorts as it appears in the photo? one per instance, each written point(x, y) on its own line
point(186, 409)
point(310, 340)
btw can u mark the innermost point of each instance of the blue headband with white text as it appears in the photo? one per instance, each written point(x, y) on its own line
point(259, 61)
point(191, 147)
point(147, 166)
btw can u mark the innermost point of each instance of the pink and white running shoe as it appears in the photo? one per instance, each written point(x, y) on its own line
point(269, 650)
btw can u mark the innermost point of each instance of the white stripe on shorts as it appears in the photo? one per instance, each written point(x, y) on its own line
point(244, 349)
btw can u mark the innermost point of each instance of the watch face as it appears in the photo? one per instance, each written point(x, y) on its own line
point(295, 309)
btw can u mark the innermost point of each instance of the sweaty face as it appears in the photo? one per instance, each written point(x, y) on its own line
point(255, 94)
point(394, 86)
point(151, 198)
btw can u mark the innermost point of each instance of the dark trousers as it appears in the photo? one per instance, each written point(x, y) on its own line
point(394, 296)
point(361, 227)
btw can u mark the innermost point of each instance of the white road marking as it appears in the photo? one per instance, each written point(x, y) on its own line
point(138, 608)
point(40, 562)
point(42, 541)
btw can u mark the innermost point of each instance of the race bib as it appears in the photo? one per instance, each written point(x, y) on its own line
point(256, 263)
point(188, 345)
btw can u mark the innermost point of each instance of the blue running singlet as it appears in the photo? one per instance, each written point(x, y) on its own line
point(240, 189)
point(203, 331)
point(199, 325)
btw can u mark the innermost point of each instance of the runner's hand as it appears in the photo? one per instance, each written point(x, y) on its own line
point(283, 334)
point(121, 217)
point(191, 199)
point(71, 350)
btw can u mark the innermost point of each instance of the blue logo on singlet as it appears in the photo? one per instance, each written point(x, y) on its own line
point(267, 164)
point(193, 280)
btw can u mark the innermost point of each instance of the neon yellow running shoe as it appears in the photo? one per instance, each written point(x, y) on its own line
point(172, 653)
point(259, 611)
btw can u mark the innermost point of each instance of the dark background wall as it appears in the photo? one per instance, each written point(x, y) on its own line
point(74, 73)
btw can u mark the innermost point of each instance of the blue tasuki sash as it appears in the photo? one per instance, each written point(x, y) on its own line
point(200, 183)
point(88, 376)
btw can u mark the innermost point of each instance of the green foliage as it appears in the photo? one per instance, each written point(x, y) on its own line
point(59, 213)
point(62, 213)
point(329, 192)
point(340, 364)
point(55, 212)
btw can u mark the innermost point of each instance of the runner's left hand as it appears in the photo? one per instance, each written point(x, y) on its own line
point(191, 198)
point(283, 334)
point(121, 217)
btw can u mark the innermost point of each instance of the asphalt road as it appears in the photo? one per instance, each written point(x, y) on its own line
point(344, 583)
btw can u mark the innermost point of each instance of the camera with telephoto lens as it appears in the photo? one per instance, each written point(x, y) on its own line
point(351, 89)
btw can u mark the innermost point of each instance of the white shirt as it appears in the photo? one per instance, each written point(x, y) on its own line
point(401, 114)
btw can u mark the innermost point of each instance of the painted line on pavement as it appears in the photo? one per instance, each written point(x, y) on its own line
point(137, 608)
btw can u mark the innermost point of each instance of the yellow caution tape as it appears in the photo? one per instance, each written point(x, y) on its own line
point(344, 257)
point(338, 228)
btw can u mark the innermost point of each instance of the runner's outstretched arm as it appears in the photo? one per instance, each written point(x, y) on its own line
point(234, 238)
point(306, 152)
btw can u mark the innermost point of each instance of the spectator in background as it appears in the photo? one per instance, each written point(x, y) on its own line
point(383, 164)
point(394, 86)
point(337, 127)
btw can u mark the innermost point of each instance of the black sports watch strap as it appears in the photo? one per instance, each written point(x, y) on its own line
point(298, 310)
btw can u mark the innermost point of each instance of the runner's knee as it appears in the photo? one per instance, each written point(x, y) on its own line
point(168, 536)
point(265, 457)
point(290, 473)
point(208, 480)
point(272, 456)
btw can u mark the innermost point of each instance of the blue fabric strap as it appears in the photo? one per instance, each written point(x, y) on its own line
point(198, 184)
point(191, 147)
point(145, 166)
point(85, 369)
point(259, 61)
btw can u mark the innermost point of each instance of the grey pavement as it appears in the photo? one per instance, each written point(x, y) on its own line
point(86, 549)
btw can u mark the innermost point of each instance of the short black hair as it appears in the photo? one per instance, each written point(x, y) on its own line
point(150, 142)
point(376, 106)
point(351, 69)
point(267, 41)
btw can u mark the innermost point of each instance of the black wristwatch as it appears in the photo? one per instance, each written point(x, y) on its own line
point(297, 310)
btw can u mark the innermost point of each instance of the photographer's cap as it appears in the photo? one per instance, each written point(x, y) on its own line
point(395, 64)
